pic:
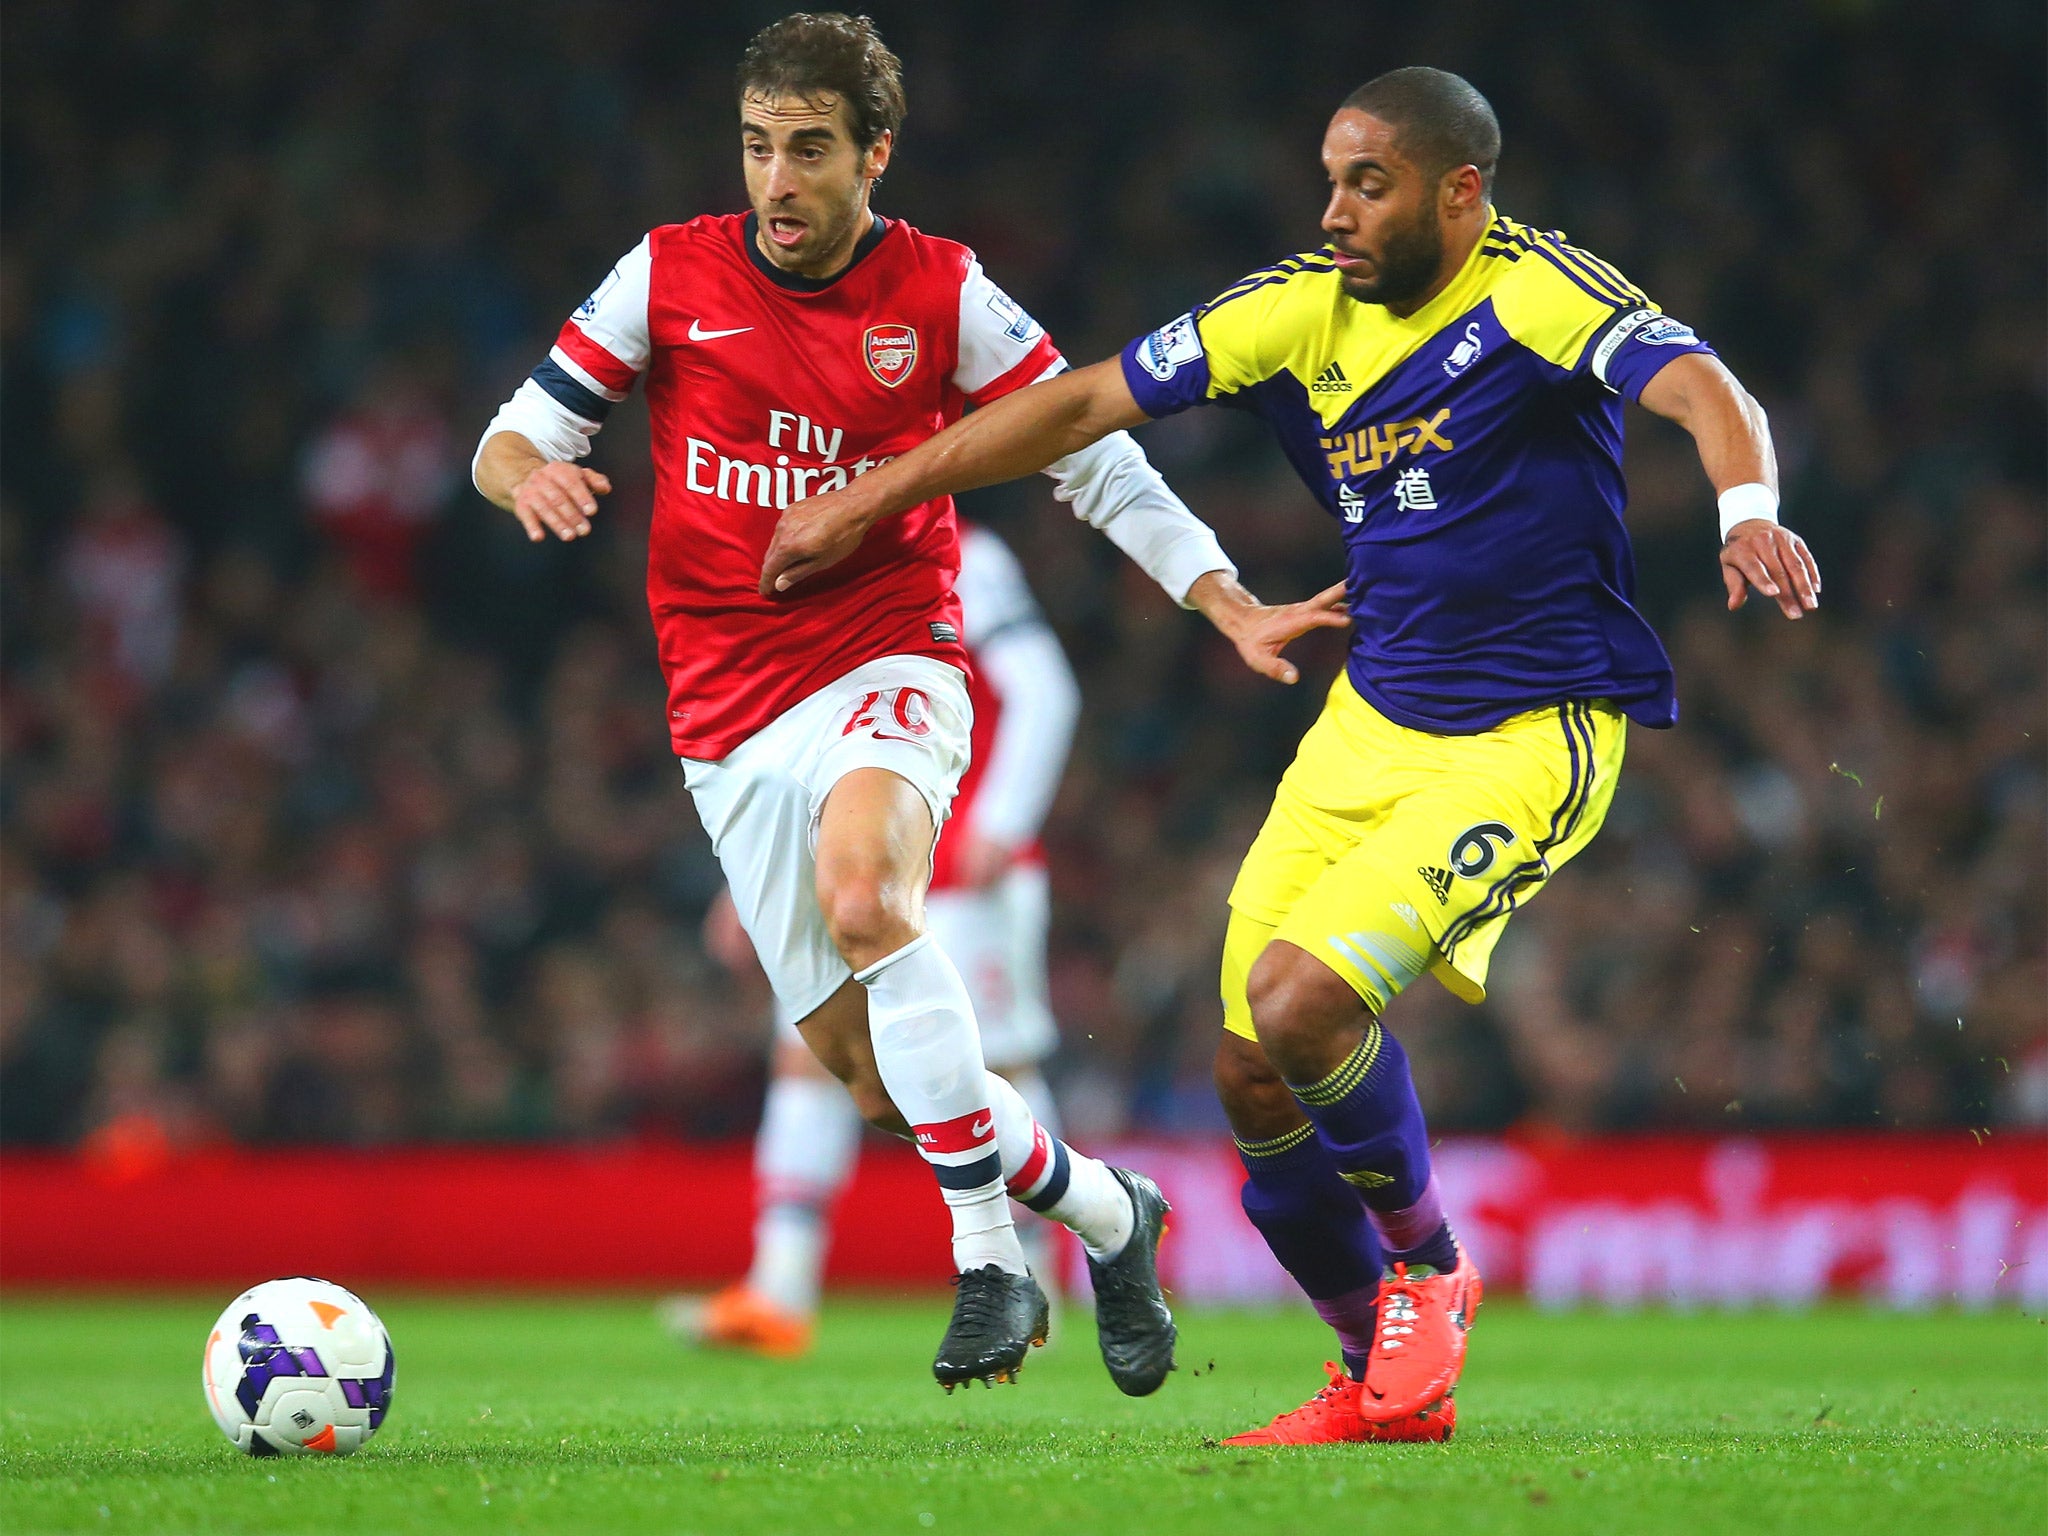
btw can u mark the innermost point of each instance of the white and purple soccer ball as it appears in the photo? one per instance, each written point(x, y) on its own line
point(298, 1367)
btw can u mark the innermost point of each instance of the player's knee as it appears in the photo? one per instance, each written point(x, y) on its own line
point(1296, 1000)
point(867, 918)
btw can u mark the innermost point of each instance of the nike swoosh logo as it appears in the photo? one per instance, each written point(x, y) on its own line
point(981, 1128)
point(698, 333)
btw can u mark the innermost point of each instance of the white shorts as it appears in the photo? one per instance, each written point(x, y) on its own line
point(997, 939)
point(761, 803)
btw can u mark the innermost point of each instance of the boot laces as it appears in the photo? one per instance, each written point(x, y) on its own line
point(1398, 1314)
point(980, 1298)
point(1326, 1399)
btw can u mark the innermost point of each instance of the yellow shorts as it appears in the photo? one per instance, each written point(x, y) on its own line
point(1390, 852)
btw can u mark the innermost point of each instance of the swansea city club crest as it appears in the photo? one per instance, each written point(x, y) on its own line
point(891, 352)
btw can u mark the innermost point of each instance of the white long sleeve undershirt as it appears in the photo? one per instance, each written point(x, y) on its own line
point(1113, 486)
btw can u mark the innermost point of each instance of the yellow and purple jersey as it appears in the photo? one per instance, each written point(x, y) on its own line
point(1470, 452)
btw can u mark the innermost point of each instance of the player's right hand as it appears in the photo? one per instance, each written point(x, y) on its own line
point(558, 498)
point(1261, 631)
point(1776, 562)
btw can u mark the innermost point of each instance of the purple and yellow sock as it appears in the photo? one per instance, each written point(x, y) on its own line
point(1317, 1229)
point(1367, 1117)
point(1417, 1234)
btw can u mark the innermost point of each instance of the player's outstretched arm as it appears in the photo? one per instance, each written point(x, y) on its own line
point(1017, 435)
point(546, 496)
point(1734, 439)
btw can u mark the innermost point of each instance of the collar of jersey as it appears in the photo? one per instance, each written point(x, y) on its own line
point(750, 237)
point(1372, 341)
point(1460, 295)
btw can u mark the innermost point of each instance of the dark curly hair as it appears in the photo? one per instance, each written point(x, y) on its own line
point(829, 53)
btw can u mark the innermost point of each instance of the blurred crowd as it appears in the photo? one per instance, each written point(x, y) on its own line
point(333, 810)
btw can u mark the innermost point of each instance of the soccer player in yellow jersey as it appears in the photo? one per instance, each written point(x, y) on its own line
point(1449, 384)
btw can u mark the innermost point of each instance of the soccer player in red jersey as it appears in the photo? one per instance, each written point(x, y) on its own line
point(989, 906)
point(788, 351)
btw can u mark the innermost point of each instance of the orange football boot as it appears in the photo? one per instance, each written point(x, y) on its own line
point(1331, 1417)
point(1420, 1348)
point(737, 1318)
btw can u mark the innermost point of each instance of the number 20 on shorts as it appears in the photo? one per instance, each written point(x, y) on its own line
point(909, 708)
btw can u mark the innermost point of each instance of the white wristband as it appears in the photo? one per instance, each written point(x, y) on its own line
point(1747, 503)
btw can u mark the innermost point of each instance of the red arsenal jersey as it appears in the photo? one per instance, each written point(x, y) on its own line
point(764, 388)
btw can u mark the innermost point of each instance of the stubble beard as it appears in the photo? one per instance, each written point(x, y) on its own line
point(1407, 264)
point(827, 236)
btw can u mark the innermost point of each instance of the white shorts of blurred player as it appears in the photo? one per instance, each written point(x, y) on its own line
point(996, 937)
point(761, 803)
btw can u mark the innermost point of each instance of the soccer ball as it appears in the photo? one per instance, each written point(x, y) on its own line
point(298, 1366)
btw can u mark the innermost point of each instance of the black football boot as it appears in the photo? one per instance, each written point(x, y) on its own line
point(997, 1316)
point(1131, 1320)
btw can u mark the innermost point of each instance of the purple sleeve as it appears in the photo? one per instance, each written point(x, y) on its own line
point(1630, 352)
point(1168, 369)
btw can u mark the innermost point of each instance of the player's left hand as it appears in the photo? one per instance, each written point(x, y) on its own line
point(811, 536)
point(1775, 561)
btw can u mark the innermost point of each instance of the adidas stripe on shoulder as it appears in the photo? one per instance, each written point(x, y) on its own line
point(1511, 240)
point(1284, 270)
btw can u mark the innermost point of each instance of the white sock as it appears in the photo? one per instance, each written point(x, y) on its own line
point(789, 1256)
point(1040, 1251)
point(1048, 1176)
point(1036, 1093)
point(929, 1054)
point(803, 1156)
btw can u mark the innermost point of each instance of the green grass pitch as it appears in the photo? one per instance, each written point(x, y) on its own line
point(576, 1415)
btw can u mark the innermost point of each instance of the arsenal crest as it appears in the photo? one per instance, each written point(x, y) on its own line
point(891, 352)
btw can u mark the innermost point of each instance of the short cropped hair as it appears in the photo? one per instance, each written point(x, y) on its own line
point(809, 56)
point(1438, 119)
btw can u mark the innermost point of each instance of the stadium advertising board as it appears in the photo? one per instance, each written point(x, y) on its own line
point(1905, 1220)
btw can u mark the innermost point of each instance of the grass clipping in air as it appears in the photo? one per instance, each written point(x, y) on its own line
point(580, 1416)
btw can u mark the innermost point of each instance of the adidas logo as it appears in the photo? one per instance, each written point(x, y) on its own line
point(1439, 881)
point(1331, 381)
